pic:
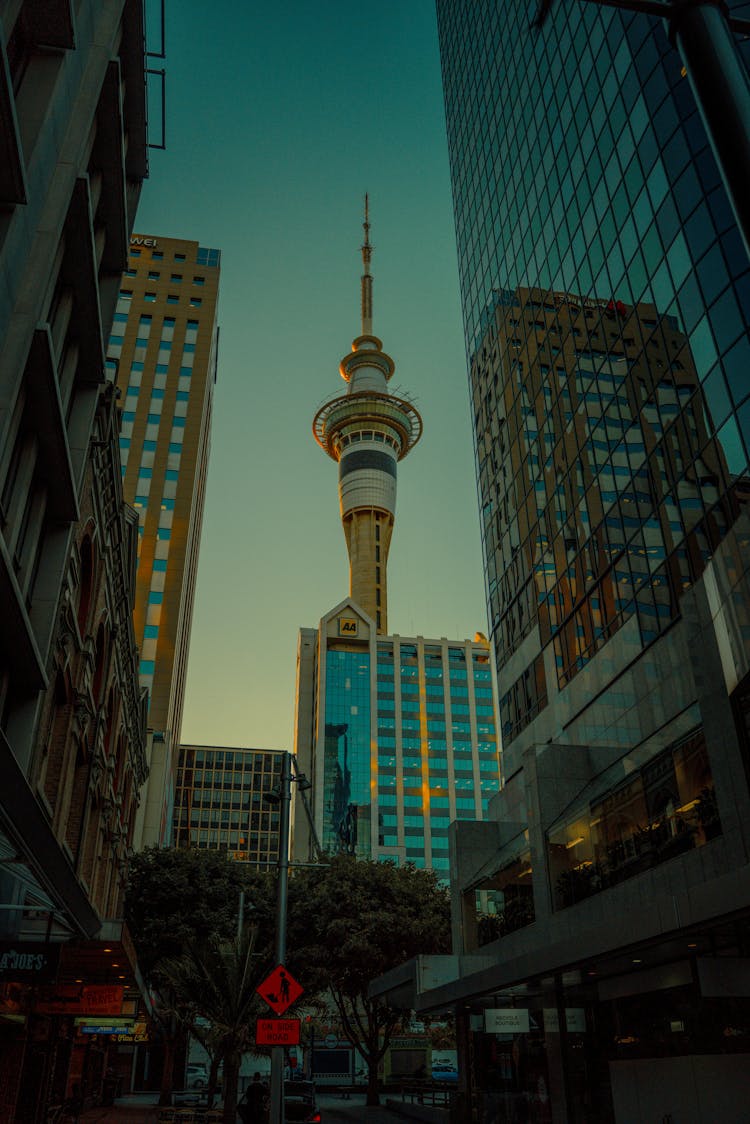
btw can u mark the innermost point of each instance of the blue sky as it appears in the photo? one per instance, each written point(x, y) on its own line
point(279, 118)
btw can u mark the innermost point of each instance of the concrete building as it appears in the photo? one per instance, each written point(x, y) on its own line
point(220, 805)
point(605, 293)
point(397, 734)
point(73, 155)
point(163, 353)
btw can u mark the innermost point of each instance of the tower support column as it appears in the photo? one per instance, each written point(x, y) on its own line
point(368, 538)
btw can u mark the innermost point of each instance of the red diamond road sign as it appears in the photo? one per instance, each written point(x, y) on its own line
point(279, 990)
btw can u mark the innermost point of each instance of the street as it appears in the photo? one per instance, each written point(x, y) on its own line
point(141, 1108)
point(334, 1108)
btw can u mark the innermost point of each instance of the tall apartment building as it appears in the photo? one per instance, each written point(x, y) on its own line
point(73, 154)
point(220, 802)
point(397, 734)
point(606, 299)
point(163, 354)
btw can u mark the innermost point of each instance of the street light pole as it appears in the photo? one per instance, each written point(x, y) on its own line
point(277, 1052)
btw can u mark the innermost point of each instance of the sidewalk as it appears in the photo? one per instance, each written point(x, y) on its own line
point(136, 1108)
point(142, 1108)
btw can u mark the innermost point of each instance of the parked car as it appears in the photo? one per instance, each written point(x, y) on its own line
point(196, 1075)
point(300, 1105)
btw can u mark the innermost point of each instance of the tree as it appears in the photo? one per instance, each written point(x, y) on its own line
point(177, 900)
point(220, 977)
point(351, 921)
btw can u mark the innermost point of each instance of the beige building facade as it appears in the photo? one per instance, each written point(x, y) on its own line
point(163, 354)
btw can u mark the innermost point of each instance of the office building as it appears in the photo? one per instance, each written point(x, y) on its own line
point(73, 155)
point(163, 348)
point(397, 734)
point(606, 297)
point(220, 802)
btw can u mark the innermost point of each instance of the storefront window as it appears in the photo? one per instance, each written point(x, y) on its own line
point(662, 809)
point(505, 900)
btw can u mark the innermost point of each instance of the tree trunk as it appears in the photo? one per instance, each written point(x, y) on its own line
point(213, 1077)
point(373, 1091)
point(167, 1073)
point(231, 1077)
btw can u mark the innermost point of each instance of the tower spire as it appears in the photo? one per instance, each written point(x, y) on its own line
point(366, 276)
point(367, 430)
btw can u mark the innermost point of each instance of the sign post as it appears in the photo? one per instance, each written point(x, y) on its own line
point(277, 1053)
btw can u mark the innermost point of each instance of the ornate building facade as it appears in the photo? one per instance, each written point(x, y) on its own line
point(73, 155)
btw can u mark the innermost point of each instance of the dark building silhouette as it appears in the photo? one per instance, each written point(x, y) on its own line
point(73, 156)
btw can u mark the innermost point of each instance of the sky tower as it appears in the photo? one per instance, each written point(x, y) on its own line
point(368, 430)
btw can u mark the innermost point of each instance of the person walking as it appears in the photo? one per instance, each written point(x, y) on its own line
point(253, 1105)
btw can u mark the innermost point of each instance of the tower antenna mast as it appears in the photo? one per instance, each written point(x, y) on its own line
point(366, 276)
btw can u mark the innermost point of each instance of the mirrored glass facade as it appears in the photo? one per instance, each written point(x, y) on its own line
point(404, 742)
point(606, 299)
point(347, 752)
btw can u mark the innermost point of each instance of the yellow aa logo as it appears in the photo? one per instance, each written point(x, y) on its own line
point(348, 626)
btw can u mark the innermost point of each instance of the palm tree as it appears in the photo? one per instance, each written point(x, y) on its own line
point(217, 979)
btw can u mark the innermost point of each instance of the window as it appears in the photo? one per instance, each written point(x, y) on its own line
point(175, 278)
point(199, 280)
point(179, 257)
point(173, 299)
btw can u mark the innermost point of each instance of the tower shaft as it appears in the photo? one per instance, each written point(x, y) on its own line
point(368, 538)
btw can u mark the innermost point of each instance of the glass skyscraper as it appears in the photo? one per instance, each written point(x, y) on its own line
point(606, 301)
point(587, 199)
point(398, 736)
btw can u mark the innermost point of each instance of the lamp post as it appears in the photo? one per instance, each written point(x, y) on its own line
point(283, 797)
point(282, 887)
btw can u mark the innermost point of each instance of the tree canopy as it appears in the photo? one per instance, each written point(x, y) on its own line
point(178, 898)
point(182, 908)
point(350, 922)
